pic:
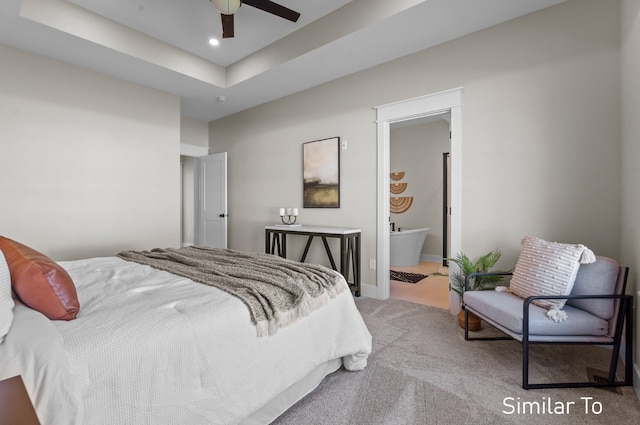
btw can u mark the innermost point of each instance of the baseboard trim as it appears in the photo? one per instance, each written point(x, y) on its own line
point(369, 291)
point(431, 258)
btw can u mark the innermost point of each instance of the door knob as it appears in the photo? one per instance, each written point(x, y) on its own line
point(223, 215)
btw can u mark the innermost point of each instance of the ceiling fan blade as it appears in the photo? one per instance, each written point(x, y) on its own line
point(227, 25)
point(274, 9)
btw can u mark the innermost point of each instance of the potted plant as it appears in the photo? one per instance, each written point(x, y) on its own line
point(476, 283)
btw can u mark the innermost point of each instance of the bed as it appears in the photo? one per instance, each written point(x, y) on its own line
point(152, 347)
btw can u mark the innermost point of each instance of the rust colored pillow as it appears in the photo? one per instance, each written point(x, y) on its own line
point(40, 282)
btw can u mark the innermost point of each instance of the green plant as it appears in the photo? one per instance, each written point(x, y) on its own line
point(482, 265)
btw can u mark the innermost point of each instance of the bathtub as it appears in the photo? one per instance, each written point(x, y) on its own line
point(406, 246)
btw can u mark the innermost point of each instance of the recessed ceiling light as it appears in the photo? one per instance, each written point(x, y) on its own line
point(214, 41)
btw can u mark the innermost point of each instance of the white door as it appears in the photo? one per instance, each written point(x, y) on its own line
point(211, 201)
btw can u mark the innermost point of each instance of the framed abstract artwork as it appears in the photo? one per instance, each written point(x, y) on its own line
point(321, 173)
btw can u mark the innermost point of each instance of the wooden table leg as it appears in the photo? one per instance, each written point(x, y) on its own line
point(306, 249)
point(357, 265)
point(326, 248)
point(344, 257)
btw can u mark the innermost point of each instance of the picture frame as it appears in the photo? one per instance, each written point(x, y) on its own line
point(321, 173)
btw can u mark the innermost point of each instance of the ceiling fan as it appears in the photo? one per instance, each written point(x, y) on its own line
point(228, 7)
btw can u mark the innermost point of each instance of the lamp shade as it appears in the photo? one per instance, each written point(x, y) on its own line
point(227, 7)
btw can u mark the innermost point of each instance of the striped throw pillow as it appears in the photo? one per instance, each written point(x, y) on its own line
point(548, 268)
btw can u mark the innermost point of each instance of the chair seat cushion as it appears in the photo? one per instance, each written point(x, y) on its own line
point(506, 309)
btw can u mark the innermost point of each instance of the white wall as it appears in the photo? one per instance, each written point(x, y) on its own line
point(541, 130)
point(264, 148)
point(630, 46)
point(89, 165)
point(194, 132)
point(417, 150)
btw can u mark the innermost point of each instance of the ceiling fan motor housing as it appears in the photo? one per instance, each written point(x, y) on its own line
point(227, 7)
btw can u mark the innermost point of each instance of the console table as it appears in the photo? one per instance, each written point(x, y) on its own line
point(276, 243)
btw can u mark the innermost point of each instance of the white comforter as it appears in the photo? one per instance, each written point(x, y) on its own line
point(149, 347)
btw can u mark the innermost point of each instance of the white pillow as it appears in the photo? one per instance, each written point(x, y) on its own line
point(548, 268)
point(6, 300)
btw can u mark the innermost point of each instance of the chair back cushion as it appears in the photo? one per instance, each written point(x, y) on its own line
point(548, 268)
point(599, 278)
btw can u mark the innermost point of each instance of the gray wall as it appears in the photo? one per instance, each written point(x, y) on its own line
point(630, 40)
point(540, 142)
point(89, 165)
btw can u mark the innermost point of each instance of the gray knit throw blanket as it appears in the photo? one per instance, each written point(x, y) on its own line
point(277, 291)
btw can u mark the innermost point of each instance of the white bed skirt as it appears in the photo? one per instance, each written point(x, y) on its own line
point(293, 394)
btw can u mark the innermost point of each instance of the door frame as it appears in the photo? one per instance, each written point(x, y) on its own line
point(405, 110)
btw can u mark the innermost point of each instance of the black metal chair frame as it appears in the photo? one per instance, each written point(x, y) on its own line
point(623, 328)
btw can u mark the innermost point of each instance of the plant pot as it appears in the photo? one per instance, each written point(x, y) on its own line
point(474, 321)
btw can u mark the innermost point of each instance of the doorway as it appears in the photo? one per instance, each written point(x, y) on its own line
point(417, 108)
point(418, 199)
point(203, 196)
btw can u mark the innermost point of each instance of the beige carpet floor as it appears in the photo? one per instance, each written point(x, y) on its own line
point(422, 371)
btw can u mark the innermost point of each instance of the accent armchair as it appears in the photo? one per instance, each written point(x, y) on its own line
point(597, 312)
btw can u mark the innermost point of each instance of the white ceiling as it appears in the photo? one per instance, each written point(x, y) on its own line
point(164, 43)
point(189, 24)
